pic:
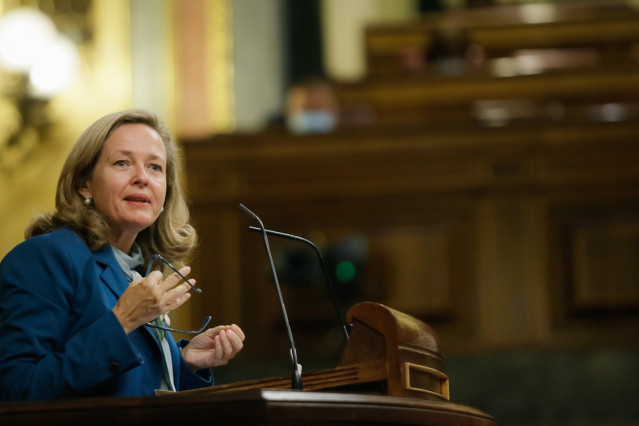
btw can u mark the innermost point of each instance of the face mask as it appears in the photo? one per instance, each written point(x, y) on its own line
point(311, 122)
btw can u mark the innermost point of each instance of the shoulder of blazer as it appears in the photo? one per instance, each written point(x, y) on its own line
point(65, 235)
point(62, 240)
point(60, 256)
point(76, 245)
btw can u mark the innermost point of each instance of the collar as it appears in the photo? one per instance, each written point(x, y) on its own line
point(130, 264)
point(112, 274)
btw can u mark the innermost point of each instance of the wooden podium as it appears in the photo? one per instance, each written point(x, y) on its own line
point(391, 372)
point(388, 353)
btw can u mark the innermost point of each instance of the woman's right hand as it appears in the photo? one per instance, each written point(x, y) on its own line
point(148, 298)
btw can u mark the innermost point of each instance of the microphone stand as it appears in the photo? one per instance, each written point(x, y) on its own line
point(297, 372)
point(329, 284)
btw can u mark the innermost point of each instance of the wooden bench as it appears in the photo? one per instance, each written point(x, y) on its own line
point(567, 95)
point(595, 32)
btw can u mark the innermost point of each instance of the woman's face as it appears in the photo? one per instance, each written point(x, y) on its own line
point(128, 183)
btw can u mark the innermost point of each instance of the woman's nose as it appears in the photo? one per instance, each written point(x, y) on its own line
point(141, 175)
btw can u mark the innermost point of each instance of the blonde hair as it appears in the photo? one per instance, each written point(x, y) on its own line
point(171, 235)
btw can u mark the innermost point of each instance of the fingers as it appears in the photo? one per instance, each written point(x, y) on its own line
point(159, 296)
point(153, 278)
point(238, 331)
point(175, 278)
point(178, 301)
point(230, 343)
point(178, 291)
point(171, 296)
point(227, 345)
point(236, 342)
point(218, 352)
point(213, 331)
point(214, 347)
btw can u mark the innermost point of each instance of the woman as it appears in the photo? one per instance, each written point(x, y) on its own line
point(74, 308)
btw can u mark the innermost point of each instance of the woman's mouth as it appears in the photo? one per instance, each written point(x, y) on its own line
point(137, 199)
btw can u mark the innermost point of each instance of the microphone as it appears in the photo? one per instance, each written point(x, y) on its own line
point(329, 284)
point(297, 371)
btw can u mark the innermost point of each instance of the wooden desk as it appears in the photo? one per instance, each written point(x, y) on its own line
point(255, 407)
point(386, 347)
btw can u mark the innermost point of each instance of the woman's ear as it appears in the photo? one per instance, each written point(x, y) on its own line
point(85, 191)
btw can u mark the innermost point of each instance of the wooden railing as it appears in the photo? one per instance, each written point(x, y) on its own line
point(607, 29)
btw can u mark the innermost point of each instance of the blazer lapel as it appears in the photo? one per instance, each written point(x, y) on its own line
point(112, 275)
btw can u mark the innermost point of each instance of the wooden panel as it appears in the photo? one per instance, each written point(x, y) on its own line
point(459, 228)
point(600, 245)
point(592, 267)
point(415, 266)
point(606, 271)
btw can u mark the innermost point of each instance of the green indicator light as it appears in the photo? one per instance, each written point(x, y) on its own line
point(345, 271)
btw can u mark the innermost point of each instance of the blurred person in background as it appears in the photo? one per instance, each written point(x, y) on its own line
point(312, 107)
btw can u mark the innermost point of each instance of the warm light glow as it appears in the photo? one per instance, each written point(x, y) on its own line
point(529, 64)
point(538, 13)
point(504, 67)
point(613, 112)
point(56, 69)
point(24, 34)
point(30, 44)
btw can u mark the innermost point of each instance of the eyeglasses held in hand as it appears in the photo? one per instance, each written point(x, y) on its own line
point(197, 290)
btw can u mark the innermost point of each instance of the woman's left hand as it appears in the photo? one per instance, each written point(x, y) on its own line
point(215, 346)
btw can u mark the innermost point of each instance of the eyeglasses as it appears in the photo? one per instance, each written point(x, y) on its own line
point(197, 290)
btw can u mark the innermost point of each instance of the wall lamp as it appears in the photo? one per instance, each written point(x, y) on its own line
point(36, 63)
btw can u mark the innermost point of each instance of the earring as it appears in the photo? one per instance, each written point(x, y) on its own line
point(162, 209)
point(87, 200)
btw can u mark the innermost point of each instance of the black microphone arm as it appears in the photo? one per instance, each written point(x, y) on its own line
point(329, 284)
point(297, 372)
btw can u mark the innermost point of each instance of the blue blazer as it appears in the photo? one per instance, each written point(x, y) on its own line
point(58, 335)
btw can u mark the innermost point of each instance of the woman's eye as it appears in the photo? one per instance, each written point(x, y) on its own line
point(156, 167)
point(120, 163)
